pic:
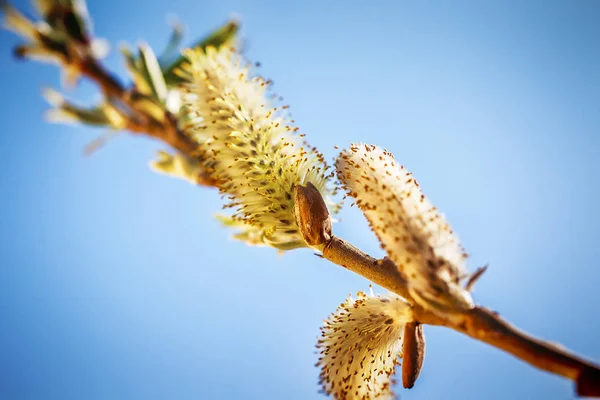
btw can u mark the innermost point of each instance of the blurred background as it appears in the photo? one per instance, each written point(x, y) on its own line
point(117, 283)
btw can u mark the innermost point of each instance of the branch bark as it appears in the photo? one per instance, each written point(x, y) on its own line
point(479, 323)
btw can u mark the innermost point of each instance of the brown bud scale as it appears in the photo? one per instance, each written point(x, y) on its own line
point(413, 349)
point(312, 215)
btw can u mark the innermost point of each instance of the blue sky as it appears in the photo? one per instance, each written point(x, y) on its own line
point(118, 283)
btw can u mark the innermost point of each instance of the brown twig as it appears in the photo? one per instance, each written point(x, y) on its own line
point(479, 323)
point(487, 326)
point(109, 85)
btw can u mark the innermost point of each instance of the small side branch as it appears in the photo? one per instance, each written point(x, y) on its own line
point(479, 323)
point(381, 272)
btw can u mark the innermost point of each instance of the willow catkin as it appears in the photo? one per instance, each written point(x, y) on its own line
point(414, 234)
point(360, 346)
point(249, 146)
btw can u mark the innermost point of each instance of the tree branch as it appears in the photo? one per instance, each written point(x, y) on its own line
point(479, 323)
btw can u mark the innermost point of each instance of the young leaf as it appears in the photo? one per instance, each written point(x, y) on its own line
point(153, 73)
point(137, 75)
point(220, 37)
point(166, 57)
point(65, 112)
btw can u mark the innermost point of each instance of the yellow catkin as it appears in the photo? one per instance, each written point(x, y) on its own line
point(249, 146)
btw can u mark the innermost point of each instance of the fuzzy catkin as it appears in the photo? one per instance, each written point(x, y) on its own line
point(415, 235)
point(360, 346)
point(249, 146)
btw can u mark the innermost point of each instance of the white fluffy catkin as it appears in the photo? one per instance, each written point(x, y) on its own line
point(360, 346)
point(413, 233)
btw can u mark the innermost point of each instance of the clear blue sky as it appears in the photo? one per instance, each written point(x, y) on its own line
point(116, 283)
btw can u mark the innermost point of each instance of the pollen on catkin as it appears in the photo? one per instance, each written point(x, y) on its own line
point(415, 235)
point(360, 346)
point(249, 147)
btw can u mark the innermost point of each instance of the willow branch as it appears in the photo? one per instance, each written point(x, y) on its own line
point(479, 323)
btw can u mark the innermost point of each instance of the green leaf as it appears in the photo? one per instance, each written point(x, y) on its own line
point(222, 36)
point(170, 51)
point(63, 111)
point(178, 166)
point(153, 73)
point(137, 75)
point(69, 113)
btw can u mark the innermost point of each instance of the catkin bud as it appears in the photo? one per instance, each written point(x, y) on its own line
point(312, 215)
point(413, 353)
